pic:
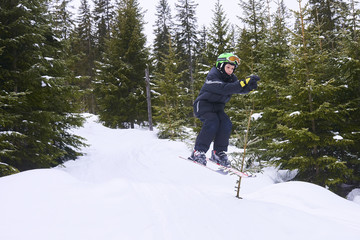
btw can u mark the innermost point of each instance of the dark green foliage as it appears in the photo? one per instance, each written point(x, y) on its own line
point(122, 101)
point(103, 11)
point(5, 170)
point(274, 69)
point(83, 56)
point(186, 31)
point(254, 18)
point(250, 47)
point(36, 107)
point(163, 28)
point(220, 34)
point(185, 42)
point(171, 98)
point(325, 17)
point(62, 23)
point(203, 63)
point(310, 133)
point(350, 94)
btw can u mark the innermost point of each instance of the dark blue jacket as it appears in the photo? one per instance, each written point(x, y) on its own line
point(217, 91)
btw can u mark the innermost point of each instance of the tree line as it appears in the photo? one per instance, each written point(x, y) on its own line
point(55, 65)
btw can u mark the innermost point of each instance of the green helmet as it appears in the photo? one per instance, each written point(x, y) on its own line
point(227, 58)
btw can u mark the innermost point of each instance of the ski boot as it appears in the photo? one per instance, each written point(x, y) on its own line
point(199, 157)
point(220, 158)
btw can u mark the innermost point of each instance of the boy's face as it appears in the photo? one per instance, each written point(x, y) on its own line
point(229, 69)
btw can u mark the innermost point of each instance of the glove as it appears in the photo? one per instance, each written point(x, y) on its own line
point(250, 81)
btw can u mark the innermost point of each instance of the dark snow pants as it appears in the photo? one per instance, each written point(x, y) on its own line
point(216, 127)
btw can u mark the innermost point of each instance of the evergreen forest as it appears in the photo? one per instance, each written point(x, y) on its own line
point(56, 64)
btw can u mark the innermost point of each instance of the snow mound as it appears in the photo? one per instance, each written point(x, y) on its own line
point(131, 185)
point(354, 195)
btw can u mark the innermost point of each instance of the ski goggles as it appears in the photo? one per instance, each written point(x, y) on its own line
point(231, 59)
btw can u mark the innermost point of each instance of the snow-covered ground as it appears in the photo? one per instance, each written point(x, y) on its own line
point(131, 185)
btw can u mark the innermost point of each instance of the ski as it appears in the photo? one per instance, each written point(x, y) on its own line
point(230, 169)
point(205, 166)
point(221, 169)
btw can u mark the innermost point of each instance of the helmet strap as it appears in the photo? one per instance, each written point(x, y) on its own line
point(220, 67)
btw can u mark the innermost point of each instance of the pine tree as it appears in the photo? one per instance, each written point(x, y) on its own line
point(8, 101)
point(348, 61)
point(63, 25)
point(250, 50)
point(352, 16)
point(245, 51)
point(312, 139)
point(201, 48)
point(220, 34)
point(83, 62)
point(254, 18)
point(170, 97)
point(323, 15)
point(203, 63)
point(162, 32)
point(62, 19)
point(274, 70)
point(101, 17)
point(85, 46)
point(185, 40)
point(122, 91)
point(37, 108)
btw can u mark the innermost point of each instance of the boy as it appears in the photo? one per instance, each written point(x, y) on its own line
point(220, 84)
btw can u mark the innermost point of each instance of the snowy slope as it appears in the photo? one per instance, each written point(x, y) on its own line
point(131, 185)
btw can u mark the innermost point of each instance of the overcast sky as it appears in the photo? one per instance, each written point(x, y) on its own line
point(204, 11)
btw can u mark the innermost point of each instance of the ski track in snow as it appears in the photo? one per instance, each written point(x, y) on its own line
point(131, 185)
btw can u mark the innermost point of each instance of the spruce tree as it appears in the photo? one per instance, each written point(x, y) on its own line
point(312, 137)
point(170, 97)
point(348, 61)
point(185, 40)
point(162, 32)
point(83, 49)
point(250, 50)
point(254, 19)
point(85, 46)
point(62, 21)
point(203, 63)
point(274, 70)
point(122, 91)
point(245, 51)
point(101, 17)
point(352, 16)
point(220, 34)
point(323, 15)
point(37, 108)
point(8, 103)
point(201, 50)
point(63, 25)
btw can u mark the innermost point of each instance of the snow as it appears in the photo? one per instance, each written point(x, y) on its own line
point(338, 137)
point(131, 185)
point(256, 116)
point(24, 7)
point(354, 195)
point(295, 113)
